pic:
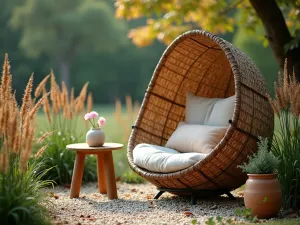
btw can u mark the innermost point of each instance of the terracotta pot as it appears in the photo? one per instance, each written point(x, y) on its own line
point(263, 195)
point(95, 137)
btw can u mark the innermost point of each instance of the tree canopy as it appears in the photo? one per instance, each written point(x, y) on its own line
point(169, 18)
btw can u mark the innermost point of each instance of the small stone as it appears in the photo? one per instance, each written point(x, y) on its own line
point(213, 207)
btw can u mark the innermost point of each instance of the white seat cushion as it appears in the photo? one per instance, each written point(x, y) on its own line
point(221, 112)
point(160, 159)
point(197, 108)
point(195, 138)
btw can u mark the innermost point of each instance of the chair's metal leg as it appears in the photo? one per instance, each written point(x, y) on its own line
point(193, 199)
point(230, 195)
point(158, 194)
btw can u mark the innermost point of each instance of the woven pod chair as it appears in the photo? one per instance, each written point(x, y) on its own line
point(208, 66)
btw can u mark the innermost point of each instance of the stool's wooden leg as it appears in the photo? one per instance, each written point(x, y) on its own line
point(110, 175)
point(77, 175)
point(101, 173)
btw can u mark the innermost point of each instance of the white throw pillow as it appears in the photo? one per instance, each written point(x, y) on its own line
point(160, 159)
point(197, 108)
point(196, 138)
point(221, 113)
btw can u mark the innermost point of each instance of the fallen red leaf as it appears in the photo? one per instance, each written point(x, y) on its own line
point(188, 214)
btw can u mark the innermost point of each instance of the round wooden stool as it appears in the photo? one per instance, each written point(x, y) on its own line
point(105, 168)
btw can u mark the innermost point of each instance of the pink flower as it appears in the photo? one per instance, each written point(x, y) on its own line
point(87, 116)
point(94, 114)
point(101, 121)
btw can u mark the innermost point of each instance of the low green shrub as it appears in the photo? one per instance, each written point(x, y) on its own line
point(261, 162)
point(132, 178)
point(21, 195)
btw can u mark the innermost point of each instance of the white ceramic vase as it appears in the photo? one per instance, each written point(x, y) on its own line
point(95, 137)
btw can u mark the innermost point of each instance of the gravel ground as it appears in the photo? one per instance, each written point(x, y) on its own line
point(134, 206)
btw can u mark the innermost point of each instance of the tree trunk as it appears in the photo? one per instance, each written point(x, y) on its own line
point(277, 33)
point(64, 71)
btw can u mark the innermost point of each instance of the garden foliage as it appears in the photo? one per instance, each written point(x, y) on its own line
point(65, 116)
point(261, 162)
point(21, 194)
point(286, 141)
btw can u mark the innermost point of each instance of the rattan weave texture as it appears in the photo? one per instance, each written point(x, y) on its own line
point(208, 66)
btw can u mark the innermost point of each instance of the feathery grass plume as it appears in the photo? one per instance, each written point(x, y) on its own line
point(46, 106)
point(17, 143)
point(286, 85)
point(44, 136)
point(118, 110)
point(81, 98)
point(78, 106)
point(52, 85)
point(72, 97)
point(65, 100)
point(37, 106)
point(279, 95)
point(39, 89)
point(9, 87)
point(294, 92)
point(4, 161)
point(296, 104)
point(128, 100)
point(65, 94)
point(72, 104)
point(26, 152)
point(90, 102)
point(40, 151)
point(5, 88)
point(136, 110)
point(12, 130)
point(55, 92)
point(1, 117)
point(58, 99)
point(5, 117)
point(275, 106)
point(14, 104)
point(127, 119)
point(26, 99)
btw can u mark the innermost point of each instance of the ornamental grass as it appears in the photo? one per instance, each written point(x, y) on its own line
point(286, 140)
point(21, 186)
point(126, 119)
point(64, 112)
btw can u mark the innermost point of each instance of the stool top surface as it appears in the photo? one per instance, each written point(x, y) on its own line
point(84, 146)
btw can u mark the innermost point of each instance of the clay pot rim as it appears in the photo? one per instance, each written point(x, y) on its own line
point(262, 176)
